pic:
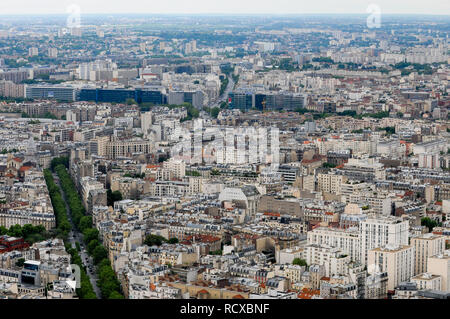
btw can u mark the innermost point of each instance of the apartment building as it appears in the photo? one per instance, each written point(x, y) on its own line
point(426, 246)
point(346, 240)
point(440, 265)
point(379, 203)
point(376, 232)
point(348, 188)
point(10, 89)
point(176, 167)
point(178, 255)
point(92, 192)
point(24, 216)
point(186, 187)
point(330, 182)
point(116, 149)
point(396, 260)
point(129, 187)
point(288, 206)
point(333, 259)
point(364, 170)
point(427, 281)
point(63, 93)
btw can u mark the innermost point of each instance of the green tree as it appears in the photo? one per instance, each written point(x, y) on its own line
point(215, 172)
point(116, 295)
point(215, 112)
point(90, 295)
point(65, 226)
point(113, 197)
point(20, 262)
point(27, 230)
point(428, 222)
point(92, 245)
point(15, 231)
point(173, 240)
point(90, 234)
point(107, 279)
point(152, 240)
point(130, 101)
point(59, 161)
point(85, 222)
point(86, 291)
point(3, 230)
point(193, 173)
point(300, 262)
point(99, 254)
point(328, 165)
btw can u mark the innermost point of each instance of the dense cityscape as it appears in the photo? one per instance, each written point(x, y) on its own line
point(224, 157)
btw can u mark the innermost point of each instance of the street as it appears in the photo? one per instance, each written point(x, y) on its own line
point(76, 236)
point(224, 96)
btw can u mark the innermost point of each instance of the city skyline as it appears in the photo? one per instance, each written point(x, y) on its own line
point(240, 156)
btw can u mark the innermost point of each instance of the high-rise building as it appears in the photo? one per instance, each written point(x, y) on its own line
point(440, 265)
point(347, 240)
point(377, 232)
point(176, 167)
point(146, 122)
point(76, 32)
point(33, 51)
point(10, 89)
point(429, 160)
point(195, 98)
point(396, 261)
point(53, 52)
point(427, 245)
point(330, 183)
point(62, 93)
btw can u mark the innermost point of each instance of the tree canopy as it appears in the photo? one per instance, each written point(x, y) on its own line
point(300, 262)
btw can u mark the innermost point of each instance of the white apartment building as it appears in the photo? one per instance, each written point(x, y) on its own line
point(380, 203)
point(396, 260)
point(427, 281)
point(33, 51)
point(116, 149)
point(287, 255)
point(169, 188)
point(53, 52)
point(358, 147)
point(392, 148)
point(364, 169)
point(334, 260)
point(348, 188)
point(346, 240)
point(330, 183)
point(146, 122)
point(429, 160)
point(440, 265)
point(426, 246)
point(176, 167)
point(376, 232)
point(430, 147)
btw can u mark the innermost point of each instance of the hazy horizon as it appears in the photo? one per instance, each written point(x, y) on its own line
point(230, 7)
point(223, 14)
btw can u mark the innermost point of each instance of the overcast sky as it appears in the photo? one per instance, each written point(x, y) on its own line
point(224, 6)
